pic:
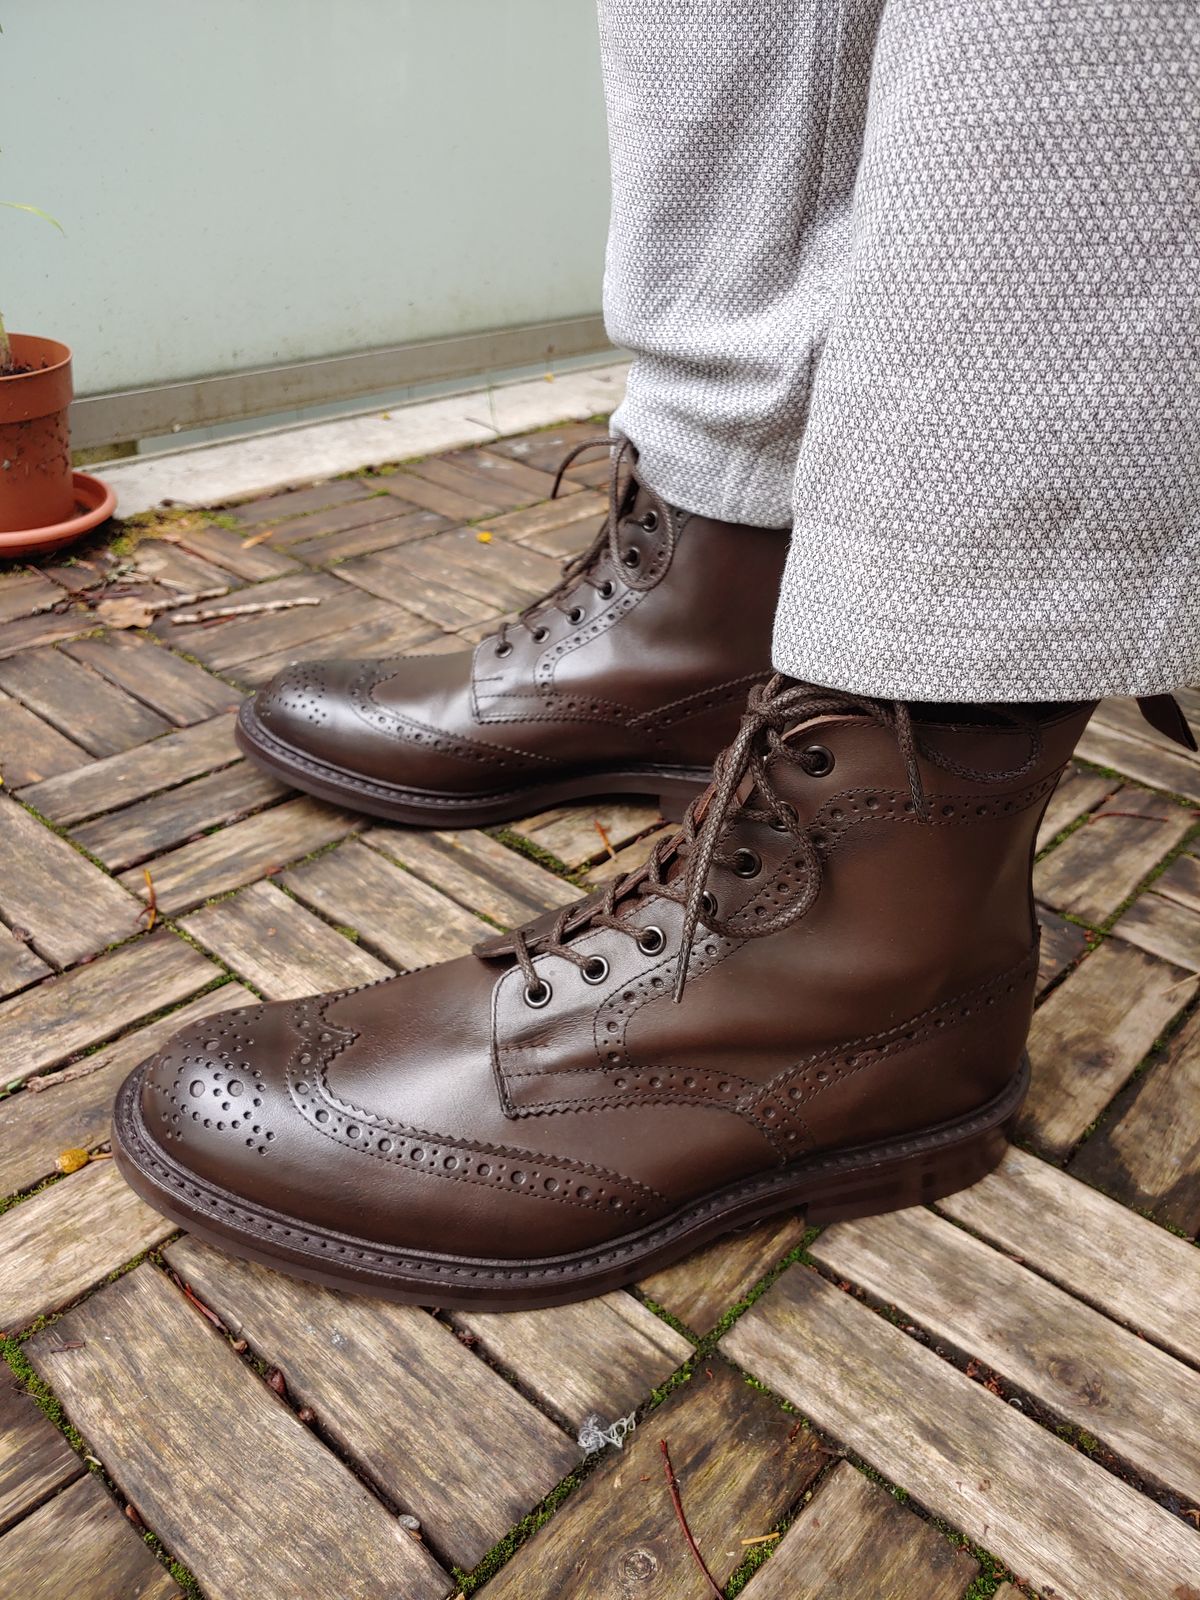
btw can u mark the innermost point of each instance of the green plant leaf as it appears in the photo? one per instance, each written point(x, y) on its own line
point(15, 205)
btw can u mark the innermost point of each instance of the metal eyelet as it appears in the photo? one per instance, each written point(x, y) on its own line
point(632, 556)
point(575, 614)
point(818, 760)
point(607, 589)
point(781, 827)
point(651, 940)
point(708, 905)
point(540, 633)
point(538, 995)
point(504, 649)
point(650, 521)
point(596, 970)
point(747, 863)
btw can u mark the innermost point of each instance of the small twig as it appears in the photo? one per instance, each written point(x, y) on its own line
point(219, 613)
point(51, 1080)
point(604, 839)
point(150, 909)
point(763, 1538)
point(1141, 816)
point(68, 1344)
point(677, 1502)
point(258, 538)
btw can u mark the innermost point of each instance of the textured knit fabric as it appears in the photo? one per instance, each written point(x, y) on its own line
point(922, 278)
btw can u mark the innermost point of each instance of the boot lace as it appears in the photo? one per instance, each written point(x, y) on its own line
point(742, 776)
point(623, 483)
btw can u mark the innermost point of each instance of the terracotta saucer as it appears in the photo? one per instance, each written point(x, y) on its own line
point(95, 502)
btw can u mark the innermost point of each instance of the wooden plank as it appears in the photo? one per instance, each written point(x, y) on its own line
point(27, 633)
point(856, 1542)
point(290, 503)
point(546, 447)
point(700, 1289)
point(240, 853)
point(68, 1237)
point(498, 574)
point(398, 1393)
point(491, 494)
point(599, 1357)
point(1090, 1035)
point(1062, 945)
point(1102, 863)
point(223, 644)
point(580, 834)
point(24, 593)
point(31, 749)
point(381, 631)
point(493, 465)
point(1165, 928)
point(214, 1462)
point(46, 1024)
point(178, 690)
point(389, 575)
point(355, 512)
point(1149, 1157)
point(87, 708)
point(543, 527)
point(369, 536)
point(1138, 1401)
point(151, 826)
point(1162, 765)
point(1181, 882)
point(67, 905)
point(1047, 1511)
point(19, 967)
point(282, 949)
point(120, 780)
point(483, 875)
point(230, 550)
point(1079, 791)
point(165, 562)
point(741, 1462)
point(80, 1544)
point(35, 1458)
point(451, 503)
point(630, 856)
point(1135, 1272)
point(395, 914)
point(36, 1125)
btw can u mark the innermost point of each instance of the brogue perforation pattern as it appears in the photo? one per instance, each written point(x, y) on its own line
point(216, 1089)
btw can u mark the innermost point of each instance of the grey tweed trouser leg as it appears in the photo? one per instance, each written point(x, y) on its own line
point(921, 278)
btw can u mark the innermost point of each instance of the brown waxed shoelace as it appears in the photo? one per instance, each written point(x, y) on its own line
point(622, 475)
point(773, 708)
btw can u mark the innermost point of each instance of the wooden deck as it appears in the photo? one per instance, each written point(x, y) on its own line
point(999, 1395)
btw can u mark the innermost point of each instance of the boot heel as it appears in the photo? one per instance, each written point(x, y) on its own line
point(904, 1181)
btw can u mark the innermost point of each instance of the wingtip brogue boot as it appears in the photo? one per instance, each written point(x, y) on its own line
point(815, 995)
point(628, 677)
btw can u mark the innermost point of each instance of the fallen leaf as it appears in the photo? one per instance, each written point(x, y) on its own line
point(71, 1160)
point(484, 536)
point(127, 613)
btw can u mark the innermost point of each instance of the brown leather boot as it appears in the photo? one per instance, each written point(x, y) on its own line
point(845, 921)
point(628, 677)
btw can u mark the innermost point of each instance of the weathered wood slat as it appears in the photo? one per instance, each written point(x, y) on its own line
point(1137, 1273)
point(79, 1544)
point(492, 465)
point(149, 827)
point(35, 1458)
point(164, 1403)
point(163, 561)
point(1063, 943)
point(451, 503)
point(630, 857)
point(36, 1126)
point(68, 1237)
point(1181, 882)
point(391, 575)
point(239, 853)
point(394, 913)
point(599, 1357)
point(381, 631)
point(1138, 1401)
point(855, 1542)
point(31, 749)
point(396, 1390)
point(1149, 1157)
point(23, 593)
point(178, 690)
point(230, 550)
point(741, 1462)
point(490, 493)
point(1164, 927)
point(44, 1025)
point(701, 1288)
point(223, 645)
point(67, 905)
point(1152, 761)
point(557, 528)
point(369, 536)
point(480, 873)
point(19, 967)
point(282, 949)
point(1047, 1511)
point(355, 512)
point(120, 780)
point(546, 447)
point(87, 708)
point(270, 509)
point(1103, 862)
point(581, 834)
point(27, 633)
point(1090, 1035)
point(1079, 791)
point(499, 574)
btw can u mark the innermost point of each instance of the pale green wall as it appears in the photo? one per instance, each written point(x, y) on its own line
point(244, 182)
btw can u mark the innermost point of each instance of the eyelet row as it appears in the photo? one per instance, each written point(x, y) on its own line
point(651, 941)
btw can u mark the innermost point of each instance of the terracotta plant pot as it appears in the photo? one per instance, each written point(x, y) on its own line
point(43, 503)
point(35, 445)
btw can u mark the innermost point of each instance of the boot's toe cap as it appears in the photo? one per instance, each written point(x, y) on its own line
point(306, 705)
